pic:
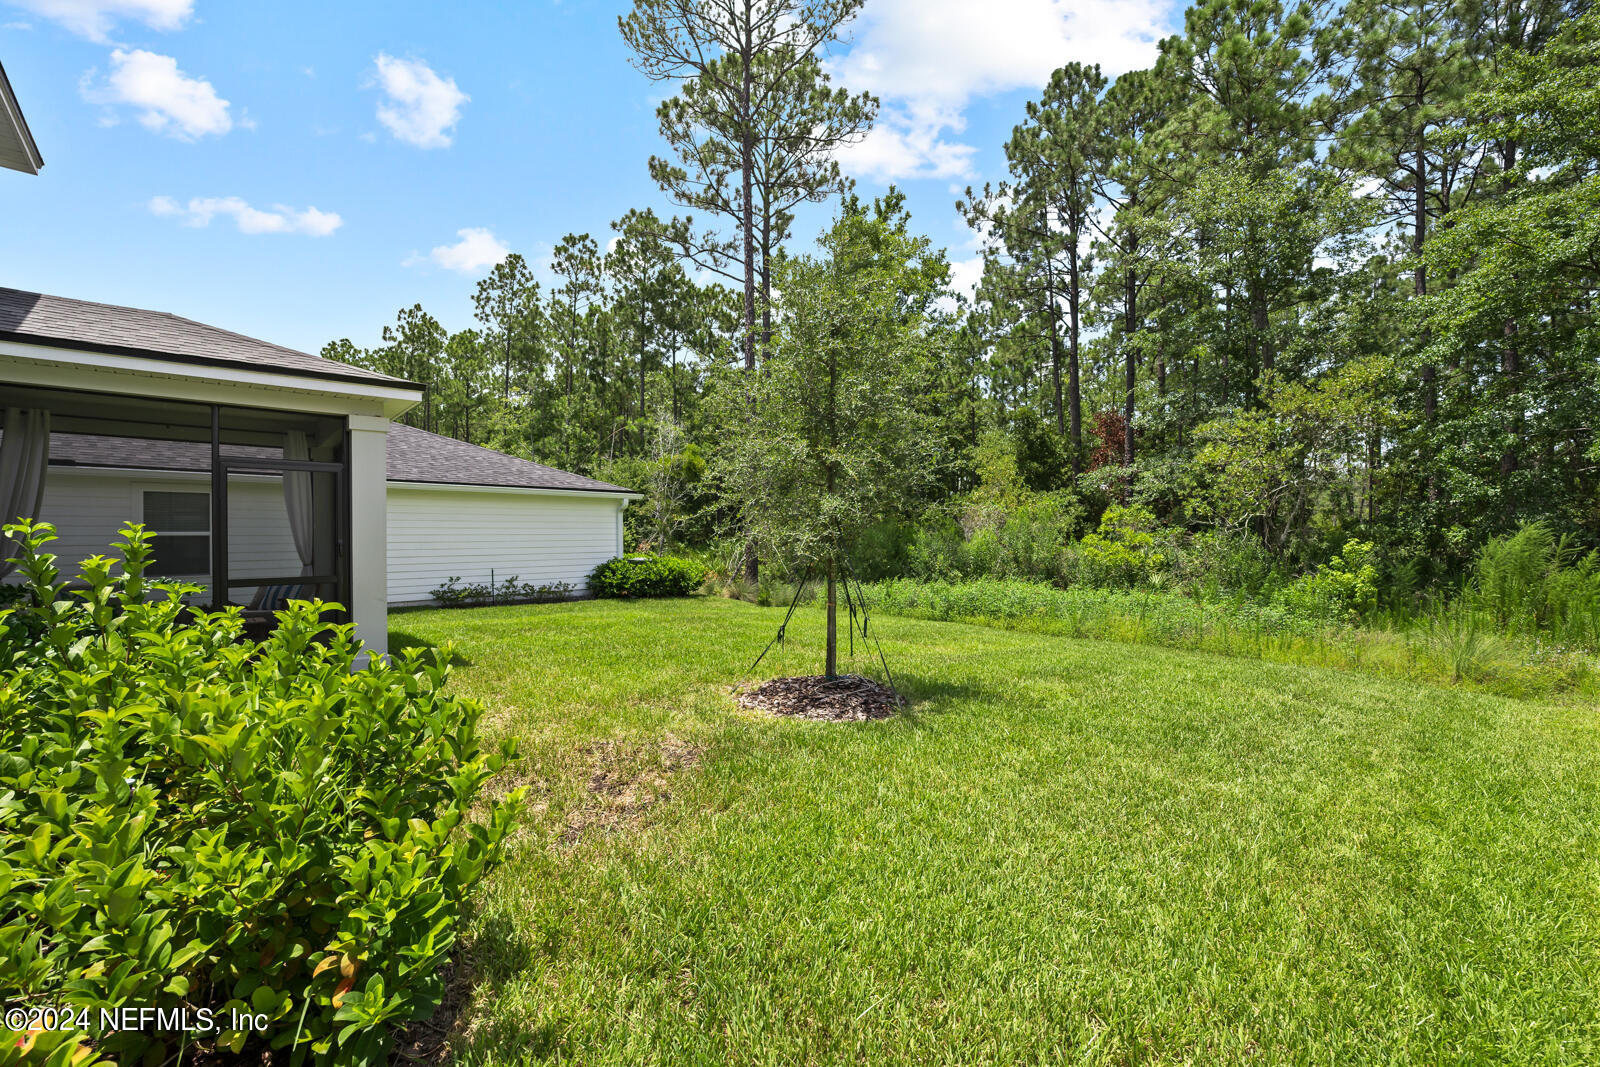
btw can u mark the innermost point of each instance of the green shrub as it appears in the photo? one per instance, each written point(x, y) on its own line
point(630, 576)
point(189, 821)
point(1130, 549)
point(1346, 587)
point(511, 591)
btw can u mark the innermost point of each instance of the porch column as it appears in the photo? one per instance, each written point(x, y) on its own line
point(369, 535)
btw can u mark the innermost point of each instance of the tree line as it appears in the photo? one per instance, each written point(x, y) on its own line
point(1322, 269)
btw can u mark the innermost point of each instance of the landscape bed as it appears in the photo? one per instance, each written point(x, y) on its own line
point(1062, 850)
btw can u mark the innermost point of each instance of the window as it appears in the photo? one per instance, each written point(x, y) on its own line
point(182, 525)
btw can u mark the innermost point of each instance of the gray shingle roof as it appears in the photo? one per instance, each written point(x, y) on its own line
point(414, 456)
point(418, 456)
point(60, 321)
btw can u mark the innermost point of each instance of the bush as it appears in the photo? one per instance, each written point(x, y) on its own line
point(631, 576)
point(510, 591)
point(1346, 587)
point(192, 822)
point(1130, 549)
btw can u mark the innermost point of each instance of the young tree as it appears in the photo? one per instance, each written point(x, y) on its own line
point(828, 437)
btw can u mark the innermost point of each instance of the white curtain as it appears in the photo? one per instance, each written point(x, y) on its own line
point(24, 455)
point(297, 498)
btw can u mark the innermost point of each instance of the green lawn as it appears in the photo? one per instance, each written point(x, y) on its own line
point(1067, 851)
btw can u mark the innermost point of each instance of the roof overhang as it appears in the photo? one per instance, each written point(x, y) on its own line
point(17, 148)
point(519, 490)
point(62, 368)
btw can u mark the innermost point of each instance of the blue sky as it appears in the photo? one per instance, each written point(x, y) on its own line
point(299, 171)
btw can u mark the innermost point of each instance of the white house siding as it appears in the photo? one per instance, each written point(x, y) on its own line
point(88, 507)
point(87, 510)
point(436, 533)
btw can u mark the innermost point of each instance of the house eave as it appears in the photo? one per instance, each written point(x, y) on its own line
point(23, 154)
point(49, 364)
point(525, 490)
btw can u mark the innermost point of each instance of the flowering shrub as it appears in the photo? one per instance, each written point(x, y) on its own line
point(188, 821)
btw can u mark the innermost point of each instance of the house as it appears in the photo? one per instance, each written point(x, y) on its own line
point(267, 473)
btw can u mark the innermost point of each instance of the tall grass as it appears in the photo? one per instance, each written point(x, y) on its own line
point(1524, 622)
point(1455, 647)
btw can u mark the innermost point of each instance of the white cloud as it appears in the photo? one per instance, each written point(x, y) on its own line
point(419, 107)
point(95, 18)
point(478, 249)
point(926, 59)
point(167, 99)
point(965, 274)
point(905, 142)
point(278, 219)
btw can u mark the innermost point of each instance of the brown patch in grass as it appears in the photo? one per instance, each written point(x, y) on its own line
point(847, 698)
point(625, 782)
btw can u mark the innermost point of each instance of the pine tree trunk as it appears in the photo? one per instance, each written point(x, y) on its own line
point(766, 280)
point(752, 569)
point(1055, 347)
point(1074, 386)
point(1130, 325)
point(1419, 236)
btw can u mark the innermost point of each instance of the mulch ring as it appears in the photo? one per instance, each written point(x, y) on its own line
point(847, 698)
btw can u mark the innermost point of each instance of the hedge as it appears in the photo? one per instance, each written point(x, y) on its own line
point(193, 821)
point(642, 576)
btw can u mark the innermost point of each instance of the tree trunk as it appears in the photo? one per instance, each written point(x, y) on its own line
point(1419, 236)
point(766, 280)
point(752, 569)
point(1074, 387)
point(1130, 325)
point(1511, 459)
point(747, 223)
point(1259, 322)
point(831, 667)
point(675, 417)
point(1055, 345)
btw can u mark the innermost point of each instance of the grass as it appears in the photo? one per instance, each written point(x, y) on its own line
point(1457, 647)
point(1067, 851)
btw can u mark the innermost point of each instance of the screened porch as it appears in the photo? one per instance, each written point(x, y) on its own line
point(250, 504)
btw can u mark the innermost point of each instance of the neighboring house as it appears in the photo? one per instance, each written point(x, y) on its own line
point(266, 473)
point(17, 150)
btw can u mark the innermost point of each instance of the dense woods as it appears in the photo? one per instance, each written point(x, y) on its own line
point(1323, 274)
